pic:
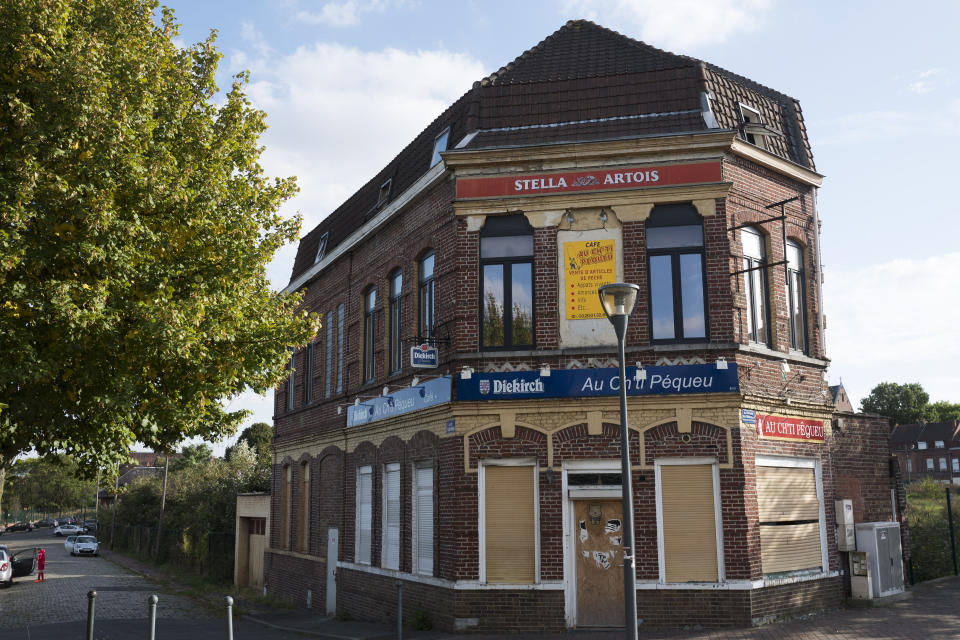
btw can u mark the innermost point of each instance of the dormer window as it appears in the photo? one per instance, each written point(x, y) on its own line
point(921, 445)
point(938, 444)
point(439, 144)
point(750, 116)
point(322, 247)
point(384, 191)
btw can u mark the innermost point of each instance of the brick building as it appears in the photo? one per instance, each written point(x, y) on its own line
point(488, 481)
point(929, 450)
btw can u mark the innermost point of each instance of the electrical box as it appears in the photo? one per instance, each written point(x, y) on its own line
point(861, 586)
point(881, 541)
point(846, 535)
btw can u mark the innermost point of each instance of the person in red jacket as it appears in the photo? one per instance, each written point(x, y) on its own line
point(41, 563)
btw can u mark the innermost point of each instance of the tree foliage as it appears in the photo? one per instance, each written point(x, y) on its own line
point(135, 228)
point(257, 437)
point(902, 403)
point(48, 485)
point(943, 411)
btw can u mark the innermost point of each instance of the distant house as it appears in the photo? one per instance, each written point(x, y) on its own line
point(841, 399)
point(930, 450)
point(142, 463)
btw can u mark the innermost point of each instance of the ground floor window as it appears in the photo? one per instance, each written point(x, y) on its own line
point(789, 502)
point(364, 514)
point(508, 523)
point(689, 527)
point(391, 516)
point(423, 519)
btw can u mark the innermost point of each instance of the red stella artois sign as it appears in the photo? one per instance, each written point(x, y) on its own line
point(794, 429)
point(596, 180)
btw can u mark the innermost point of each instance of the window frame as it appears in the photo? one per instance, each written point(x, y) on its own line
point(677, 290)
point(291, 381)
point(395, 318)
point(415, 503)
point(508, 263)
point(426, 295)
point(322, 247)
point(930, 464)
point(385, 471)
point(717, 515)
point(445, 136)
point(340, 332)
point(752, 115)
point(797, 292)
point(328, 358)
point(369, 369)
point(357, 547)
point(938, 444)
point(756, 265)
point(921, 445)
point(942, 464)
point(308, 374)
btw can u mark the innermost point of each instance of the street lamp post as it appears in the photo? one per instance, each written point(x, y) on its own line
point(618, 302)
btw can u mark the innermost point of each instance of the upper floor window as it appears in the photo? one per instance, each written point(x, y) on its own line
point(396, 345)
point(439, 144)
point(796, 297)
point(291, 379)
point(929, 464)
point(750, 116)
point(506, 265)
point(676, 257)
point(340, 349)
point(308, 375)
point(369, 305)
point(384, 193)
point(426, 287)
point(321, 247)
point(328, 356)
point(938, 444)
point(755, 276)
point(921, 445)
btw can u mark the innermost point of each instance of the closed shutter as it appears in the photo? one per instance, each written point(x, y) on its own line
point(508, 510)
point(364, 513)
point(689, 523)
point(423, 520)
point(391, 516)
point(789, 519)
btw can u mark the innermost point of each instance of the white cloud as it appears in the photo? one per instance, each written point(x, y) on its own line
point(678, 24)
point(925, 82)
point(896, 322)
point(342, 14)
point(337, 115)
point(886, 124)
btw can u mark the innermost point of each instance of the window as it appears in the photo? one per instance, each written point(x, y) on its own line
point(369, 327)
point(796, 297)
point(390, 547)
point(285, 487)
point(425, 285)
point(439, 144)
point(910, 465)
point(308, 376)
point(943, 464)
point(752, 116)
point(755, 259)
point(789, 506)
point(921, 445)
point(291, 379)
point(677, 295)
point(257, 526)
point(955, 465)
point(321, 247)
point(508, 517)
point(364, 514)
point(384, 192)
point(688, 521)
point(328, 356)
point(396, 343)
point(423, 519)
point(929, 464)
point(938, 444)
point(339, 349)
point(506, 264)
point(303, 520)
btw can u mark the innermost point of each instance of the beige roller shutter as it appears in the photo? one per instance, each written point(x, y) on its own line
point(509, 529)
point(689, 523)
point(789, 519)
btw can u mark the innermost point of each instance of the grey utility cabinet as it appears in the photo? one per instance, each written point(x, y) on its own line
point(882, 541)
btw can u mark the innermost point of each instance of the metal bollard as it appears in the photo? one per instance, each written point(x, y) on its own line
point(91, 603)
point(399, 609)
point(153, 615)
point(229, 601)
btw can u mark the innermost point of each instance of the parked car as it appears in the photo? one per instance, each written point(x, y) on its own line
point(68, 543)
point(67, 529)
point(46, 522)
point(18, 565)
point(19, 526)
point(85, 546)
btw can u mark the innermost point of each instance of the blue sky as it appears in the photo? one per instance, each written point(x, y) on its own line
point(347, 83)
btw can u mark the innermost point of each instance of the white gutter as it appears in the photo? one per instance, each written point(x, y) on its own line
point(425, 181)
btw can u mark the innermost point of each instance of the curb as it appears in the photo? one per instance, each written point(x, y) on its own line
point(308, 632)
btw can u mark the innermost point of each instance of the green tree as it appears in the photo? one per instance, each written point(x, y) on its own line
point(258, 437)
point(943, 411)
point(902, 403)
point(135, 227)
point(192, 455)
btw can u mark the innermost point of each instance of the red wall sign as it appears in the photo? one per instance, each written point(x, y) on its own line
point(596, 180)
point(794, 429)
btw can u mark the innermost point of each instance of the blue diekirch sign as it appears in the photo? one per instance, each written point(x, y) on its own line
point(423, 357)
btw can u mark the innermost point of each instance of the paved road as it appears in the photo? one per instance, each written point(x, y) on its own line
point(62, 598)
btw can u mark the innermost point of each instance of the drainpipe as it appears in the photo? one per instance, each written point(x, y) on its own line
point(816, 240)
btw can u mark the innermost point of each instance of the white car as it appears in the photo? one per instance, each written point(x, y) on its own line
point(67, 530)
point(85, 546)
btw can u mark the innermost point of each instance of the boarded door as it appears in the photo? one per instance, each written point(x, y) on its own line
point(257, 544)
point(598, 533)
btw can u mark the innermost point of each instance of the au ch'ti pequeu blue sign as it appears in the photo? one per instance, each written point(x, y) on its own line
point(426, 394)
point(578, 383)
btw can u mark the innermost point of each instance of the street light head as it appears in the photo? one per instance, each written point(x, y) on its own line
point(618, 299)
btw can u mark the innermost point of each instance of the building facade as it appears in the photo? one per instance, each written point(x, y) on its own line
point(929, 450)
point(455, 424)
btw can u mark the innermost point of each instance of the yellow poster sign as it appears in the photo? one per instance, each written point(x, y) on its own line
point(588, 264)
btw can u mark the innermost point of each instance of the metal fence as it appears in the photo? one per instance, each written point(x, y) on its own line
point(934, 529)
point(207, 554)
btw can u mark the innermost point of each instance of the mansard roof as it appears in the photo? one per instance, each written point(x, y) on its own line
point(583, 82)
